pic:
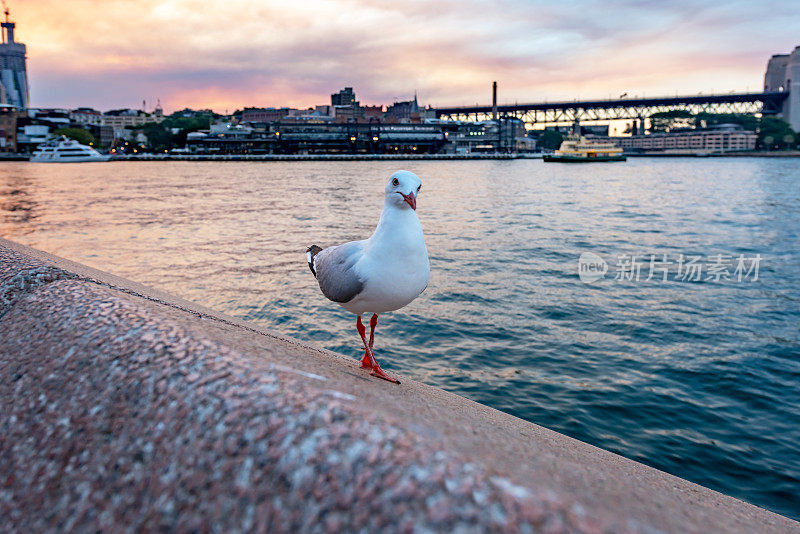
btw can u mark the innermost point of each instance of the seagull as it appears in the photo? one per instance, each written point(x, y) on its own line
point(382, 273)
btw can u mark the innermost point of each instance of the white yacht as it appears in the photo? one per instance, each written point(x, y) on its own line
point(64, 150)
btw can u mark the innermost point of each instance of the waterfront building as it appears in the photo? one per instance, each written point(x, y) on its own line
point(319, 114)
point(403, 110)
point(233, 140)
point(783, 74)
point(302, 135)
point(470, 137)
point(347, 113)
point(86, 116)
point(325, 112)
point(29, 136)
point(294, 136)
point(13, 72)
point(721, 138)
point(136, 137)
point(104, 134)
point(8, 127)
point(410, 138)
point(35, 126)
point(58, 118)
point(512, 136)
point(122, 118)
point(372, 112)
point(264, 114)
point(227, 129)
point(301, 114)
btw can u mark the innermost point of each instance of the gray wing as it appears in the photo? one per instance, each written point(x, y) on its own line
point(335, 271)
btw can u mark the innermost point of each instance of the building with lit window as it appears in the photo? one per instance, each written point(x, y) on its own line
point(8, 127)
point(121, 118)
point(345, 97)
point(721, 138)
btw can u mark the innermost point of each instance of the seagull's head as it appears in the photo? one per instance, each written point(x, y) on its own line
point(403, 189)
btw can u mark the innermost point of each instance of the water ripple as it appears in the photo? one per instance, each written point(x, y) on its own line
point(697, 379)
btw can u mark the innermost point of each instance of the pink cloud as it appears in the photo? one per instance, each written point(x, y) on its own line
point(234, 53)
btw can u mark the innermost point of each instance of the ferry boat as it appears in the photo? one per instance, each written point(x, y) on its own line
point(578, 149)
point(64, 150)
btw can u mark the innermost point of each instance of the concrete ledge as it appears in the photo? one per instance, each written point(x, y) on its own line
point(126, 409)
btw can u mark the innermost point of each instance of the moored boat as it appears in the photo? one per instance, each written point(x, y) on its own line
point(579, 149)
point(64, 150)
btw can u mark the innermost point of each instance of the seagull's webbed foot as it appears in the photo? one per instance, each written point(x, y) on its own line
point(380, 373)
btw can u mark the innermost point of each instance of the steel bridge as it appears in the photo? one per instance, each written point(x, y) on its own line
point(636, 109)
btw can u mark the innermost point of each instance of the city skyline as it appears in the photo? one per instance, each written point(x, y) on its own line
point(230, 55)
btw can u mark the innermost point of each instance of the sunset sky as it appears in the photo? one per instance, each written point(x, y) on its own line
point(228, 54)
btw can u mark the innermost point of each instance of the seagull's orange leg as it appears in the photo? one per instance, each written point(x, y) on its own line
point(368, 361)
point(372, 324)
point(365, 361)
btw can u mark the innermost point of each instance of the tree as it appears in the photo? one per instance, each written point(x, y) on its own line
point(665, 121)
point(159, 138)
point(160, 135)
point(775, 134)
point(80, 135)
point(190, 124)
point(550, 139)
point(706, 120)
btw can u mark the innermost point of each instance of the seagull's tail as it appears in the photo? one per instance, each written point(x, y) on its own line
point(312, 251)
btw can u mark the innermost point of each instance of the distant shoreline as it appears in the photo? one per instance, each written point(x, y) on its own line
point(390, 157)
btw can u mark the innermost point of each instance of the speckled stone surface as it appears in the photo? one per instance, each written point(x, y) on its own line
point(20, 274)
point(127, 410)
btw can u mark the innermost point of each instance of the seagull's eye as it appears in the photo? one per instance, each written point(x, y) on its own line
point(395, 182)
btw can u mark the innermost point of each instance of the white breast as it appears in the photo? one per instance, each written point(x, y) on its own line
point(394, 268)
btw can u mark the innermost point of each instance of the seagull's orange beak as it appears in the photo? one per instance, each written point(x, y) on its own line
point(411, 200)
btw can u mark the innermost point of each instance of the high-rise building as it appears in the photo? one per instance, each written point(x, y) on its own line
point(13, 74)
point(783, 74)
point(345, 97)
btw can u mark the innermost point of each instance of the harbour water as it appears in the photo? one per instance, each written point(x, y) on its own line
point(697, 377)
